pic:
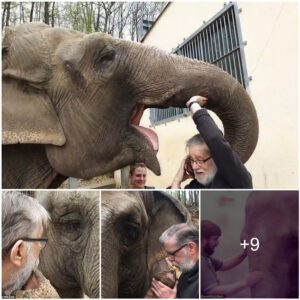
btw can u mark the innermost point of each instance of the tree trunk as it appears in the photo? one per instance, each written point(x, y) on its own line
point(7, 13)
point(97, 25)
point(3, 15)
point(52, 15)
point(31, 12)
point(46, 13)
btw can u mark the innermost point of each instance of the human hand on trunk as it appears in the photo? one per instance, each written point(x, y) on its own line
point(163, 291)
point(196, 102)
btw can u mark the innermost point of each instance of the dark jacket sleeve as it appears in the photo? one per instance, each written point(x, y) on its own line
point(227, 161)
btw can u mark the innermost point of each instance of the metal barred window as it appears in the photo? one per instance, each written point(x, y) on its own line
point(219, 42)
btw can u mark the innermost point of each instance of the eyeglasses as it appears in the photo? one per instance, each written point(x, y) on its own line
point(174, 252)
point(43, 241)
point(200, 161)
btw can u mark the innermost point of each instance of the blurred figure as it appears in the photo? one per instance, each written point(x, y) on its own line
point(138, 176)
point(24, 221)
point(210, 285)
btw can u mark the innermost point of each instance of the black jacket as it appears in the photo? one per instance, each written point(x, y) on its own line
point(231, 173)
point(188, 283)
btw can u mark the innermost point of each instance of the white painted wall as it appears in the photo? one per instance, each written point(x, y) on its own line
point(271, 32)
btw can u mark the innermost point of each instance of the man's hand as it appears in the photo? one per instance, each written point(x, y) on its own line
point(232, 262)
point(181, 174)
point(163, 291)
point(254, 278)
point(194, 101)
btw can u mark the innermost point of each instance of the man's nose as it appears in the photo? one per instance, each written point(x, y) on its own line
point(195, 166)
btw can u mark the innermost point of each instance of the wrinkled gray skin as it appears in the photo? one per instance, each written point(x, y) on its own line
point(70, 259)
point(272, 217)
point(69, 98)
point(131, 224)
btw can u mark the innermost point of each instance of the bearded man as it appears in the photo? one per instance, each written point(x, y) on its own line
point(181, 243)
point(211, 161)
point(24, 222)
point(210, 285)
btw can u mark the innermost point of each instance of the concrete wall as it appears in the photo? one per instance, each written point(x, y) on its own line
point(271, 52)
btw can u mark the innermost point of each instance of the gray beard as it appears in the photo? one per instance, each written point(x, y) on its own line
point(187, 265)
point(209, 177)
point(18, 279)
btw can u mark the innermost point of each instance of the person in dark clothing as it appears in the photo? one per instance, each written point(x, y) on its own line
point(210, 265)
point(188, 284)
point(181, 243)
point(211, 162)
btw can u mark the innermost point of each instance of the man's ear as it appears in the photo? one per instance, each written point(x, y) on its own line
point(18, 253)
point(193, 247)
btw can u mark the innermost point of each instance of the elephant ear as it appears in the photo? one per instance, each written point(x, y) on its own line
point(28, 114)
point(163, 211)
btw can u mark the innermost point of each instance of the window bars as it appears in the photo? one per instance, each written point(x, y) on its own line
point(219, 42)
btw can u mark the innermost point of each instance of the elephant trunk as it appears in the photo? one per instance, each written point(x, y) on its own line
point(171, 80)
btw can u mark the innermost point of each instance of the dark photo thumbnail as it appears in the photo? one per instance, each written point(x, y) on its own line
point(249, 244)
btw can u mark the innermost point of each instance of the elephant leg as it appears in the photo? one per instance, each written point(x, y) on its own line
point(27, 166)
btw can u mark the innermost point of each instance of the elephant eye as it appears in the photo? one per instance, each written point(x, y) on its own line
point(102, 60)
point(72, 225)
point(129, 233)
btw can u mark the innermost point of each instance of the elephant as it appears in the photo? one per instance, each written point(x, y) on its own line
point(272, 218)
point(131, 223)
point(72, 103)
point(70, 259)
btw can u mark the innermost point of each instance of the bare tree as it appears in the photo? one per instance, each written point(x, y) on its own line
point(22, 17)
point(52, 14)
point(97, 21)
point(120, 19)
point(46, 12)
point(108, 9)
point(38, 8)
point(88, 15)
point(31, 12)
point(6, 13)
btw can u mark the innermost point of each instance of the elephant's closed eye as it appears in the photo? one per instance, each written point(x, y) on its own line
point(70, 228)
point(129, 233)
point(102, 60)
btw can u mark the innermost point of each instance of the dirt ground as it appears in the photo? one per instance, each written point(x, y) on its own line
point(102, 182)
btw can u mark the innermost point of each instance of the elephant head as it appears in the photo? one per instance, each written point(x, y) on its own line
point(74, 103)
point(131, 224)
point(272, 217)
point(70, 259)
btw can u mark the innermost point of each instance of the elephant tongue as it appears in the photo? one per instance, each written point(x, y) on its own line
point(147, 132)
point(150, 135)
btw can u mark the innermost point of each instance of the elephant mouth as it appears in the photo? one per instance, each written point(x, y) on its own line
point(148, 133)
